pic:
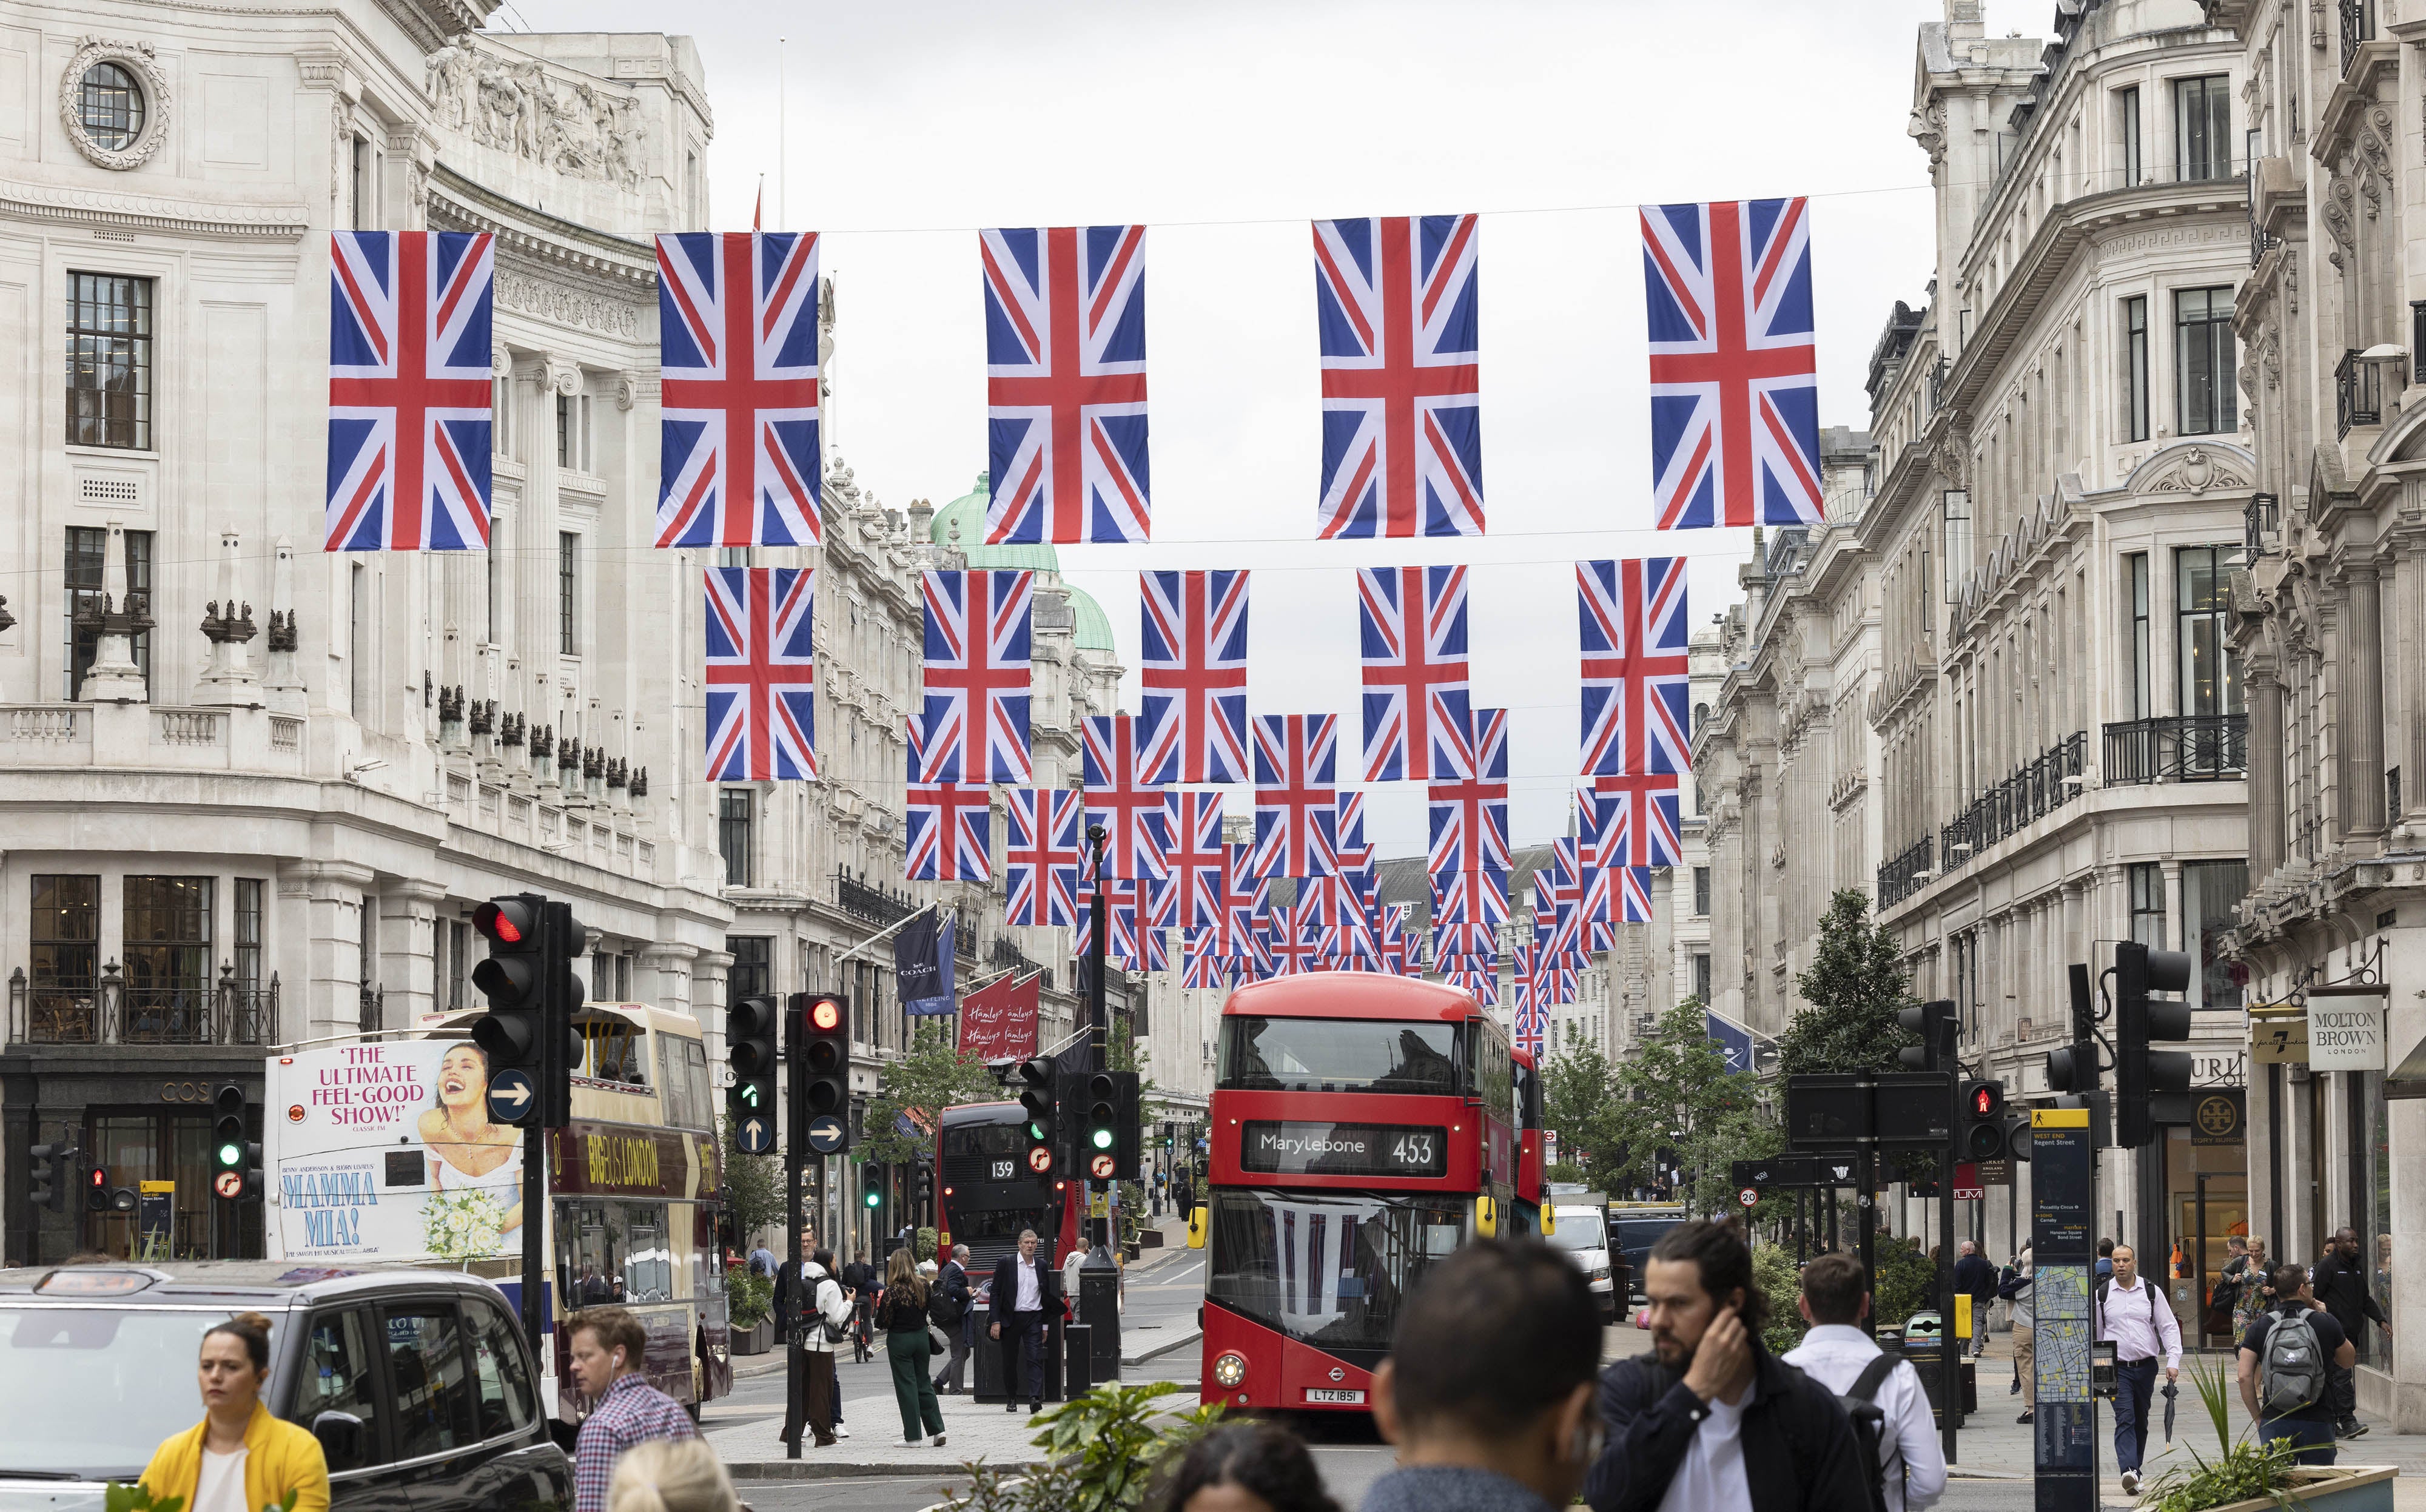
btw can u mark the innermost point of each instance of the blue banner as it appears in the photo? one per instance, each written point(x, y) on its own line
point(922, 964)
point(1735, 1044)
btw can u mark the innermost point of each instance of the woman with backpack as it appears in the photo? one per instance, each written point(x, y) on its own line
point(901, 1312)
point(2283, 1358)
point(826, 1324)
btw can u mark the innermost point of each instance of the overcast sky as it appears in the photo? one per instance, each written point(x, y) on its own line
point(1225, 127)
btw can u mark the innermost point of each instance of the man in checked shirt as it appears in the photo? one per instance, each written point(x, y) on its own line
point(606, 1349)
point(2134, 1313)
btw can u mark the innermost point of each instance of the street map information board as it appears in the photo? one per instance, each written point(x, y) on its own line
point(2064, 1257)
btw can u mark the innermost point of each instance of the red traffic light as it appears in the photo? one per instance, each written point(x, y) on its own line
point(98, 1178)
point(1985, 1099)
point(825, 1015)
point(507, 921)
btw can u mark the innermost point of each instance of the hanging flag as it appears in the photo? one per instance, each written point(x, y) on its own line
point(1065, 384)
point(1635, 683)
point(1348, 832)
point(1195, 867)
point(1393, 939)
point(922, 963)
point(1417, 724)
point(1396, 307)
point(1735, 386)
point(1634, 884)
point(1243, 896)
point(1121, 900)
point(1477, 897)
point(1041, 857)
point(1296, 948)
point(1205, 968)
point(761, 676)
point(976, 677)
point(998, 1020)
point(1469, 817)
point(948, 833)
point(410, 392)
point(1643, 827)
point(1131, 809)
point(1194, 675)
point(1296, 804)
point(738, 460)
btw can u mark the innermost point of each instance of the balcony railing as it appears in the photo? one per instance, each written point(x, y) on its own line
point(2359, 393)
point(1003, 955)
point(2263, 517)
point(965, 936)
point(2359, 26)
point(2176, 748)
point(2043, 785)
point(875, 904)
point(50, 1010)
point(1901, 877)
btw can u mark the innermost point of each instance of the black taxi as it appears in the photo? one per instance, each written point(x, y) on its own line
point(418, 1383)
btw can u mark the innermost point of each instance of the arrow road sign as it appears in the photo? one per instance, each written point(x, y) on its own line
point(757, 1136)
point(827, 1134)
point(512, 1097)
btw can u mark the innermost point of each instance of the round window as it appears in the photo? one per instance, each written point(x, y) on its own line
point(111, 106)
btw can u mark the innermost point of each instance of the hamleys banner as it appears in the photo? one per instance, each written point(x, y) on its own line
point(998, 1020)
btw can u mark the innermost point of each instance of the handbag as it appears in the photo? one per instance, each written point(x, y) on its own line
point(934, 1340)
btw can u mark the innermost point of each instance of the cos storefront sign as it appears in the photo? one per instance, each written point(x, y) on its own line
point(2218, 1115)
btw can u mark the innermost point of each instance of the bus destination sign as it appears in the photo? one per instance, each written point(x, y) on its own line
point(1289, 1148)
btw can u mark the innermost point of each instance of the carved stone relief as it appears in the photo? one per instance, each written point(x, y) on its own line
point(137, 58)
point(568, 306)
point(567, 126)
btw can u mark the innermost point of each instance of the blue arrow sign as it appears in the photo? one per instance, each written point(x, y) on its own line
point(512, 1097)
point(757, 1135)
point(827, 1134)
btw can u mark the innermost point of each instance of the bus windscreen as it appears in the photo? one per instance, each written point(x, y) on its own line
point(1338, 1055)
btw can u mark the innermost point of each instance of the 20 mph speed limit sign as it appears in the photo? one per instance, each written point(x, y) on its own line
point(1748, 1195)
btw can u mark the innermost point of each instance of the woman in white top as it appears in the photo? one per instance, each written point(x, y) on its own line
point(469, 1151)
point(238, 1459)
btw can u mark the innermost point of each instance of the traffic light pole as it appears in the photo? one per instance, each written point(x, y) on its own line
point(535, 1162)
point(796, 1140)
point(1098, 1010)
point(1950, 1349)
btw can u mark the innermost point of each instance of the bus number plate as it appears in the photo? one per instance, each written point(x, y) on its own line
point(1331, 1393)
point(1004, 1171)
point(1290, 1148)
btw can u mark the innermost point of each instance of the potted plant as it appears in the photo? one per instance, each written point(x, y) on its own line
point(2246, 1475)
point(750, 1301)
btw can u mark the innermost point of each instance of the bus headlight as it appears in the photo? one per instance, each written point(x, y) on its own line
point(1229, 1370)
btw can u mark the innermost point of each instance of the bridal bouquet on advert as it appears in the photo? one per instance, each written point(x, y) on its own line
point(462, 1225)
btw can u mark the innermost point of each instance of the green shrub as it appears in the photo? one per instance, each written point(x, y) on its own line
point(922, 1244)
point(1906, 1283)
point(1773, 1272)
point(749, 1298)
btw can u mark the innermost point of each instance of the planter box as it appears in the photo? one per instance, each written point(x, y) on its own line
point(756, 1339)
point(2338, 1488)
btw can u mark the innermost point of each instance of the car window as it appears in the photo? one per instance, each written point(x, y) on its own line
point(433, 1388)
point(501, 1383)
point(335, 1377)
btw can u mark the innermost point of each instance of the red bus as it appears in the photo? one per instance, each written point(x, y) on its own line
point(988, 1193)
point(1362, 1127)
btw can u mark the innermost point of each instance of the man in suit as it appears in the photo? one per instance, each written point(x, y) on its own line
point(789, 1291)
point(951, 1289)
point(1027, 1293)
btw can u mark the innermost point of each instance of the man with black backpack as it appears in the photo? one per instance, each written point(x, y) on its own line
point(2134, 1315)
point(2287, 1359)
point(1882, 1392)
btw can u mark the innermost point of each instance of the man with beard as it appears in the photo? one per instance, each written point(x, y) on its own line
point(1712, 1422)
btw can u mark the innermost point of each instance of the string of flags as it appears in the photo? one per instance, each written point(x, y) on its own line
point(1730, 352)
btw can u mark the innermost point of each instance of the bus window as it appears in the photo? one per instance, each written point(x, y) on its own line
point(694, 1076)
point(1327, 1269)
point(1338, 1055)
point(614, 1052)
point(648, 1261)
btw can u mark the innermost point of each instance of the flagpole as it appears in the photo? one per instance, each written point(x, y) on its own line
point(783, 174)
point(886, 932)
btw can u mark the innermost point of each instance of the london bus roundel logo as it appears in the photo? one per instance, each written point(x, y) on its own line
point(1100, 1168)
point(1039, 1160)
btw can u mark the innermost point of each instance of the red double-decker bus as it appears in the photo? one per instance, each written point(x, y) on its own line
point(1362, 1127)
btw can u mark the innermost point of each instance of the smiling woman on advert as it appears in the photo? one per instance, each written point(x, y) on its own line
point(469, 1151)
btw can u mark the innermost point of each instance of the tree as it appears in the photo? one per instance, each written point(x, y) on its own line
point(931, 1076)
point(1576, 1087)
point(753, 1188)
point(1678, 1096)
point(1852, 990)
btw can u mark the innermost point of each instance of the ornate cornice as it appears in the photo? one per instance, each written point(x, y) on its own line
point(128, 211)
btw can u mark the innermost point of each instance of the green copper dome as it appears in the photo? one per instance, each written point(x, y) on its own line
point(1094, 627)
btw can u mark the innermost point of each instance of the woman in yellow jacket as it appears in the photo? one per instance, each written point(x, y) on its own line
point(239, 1458)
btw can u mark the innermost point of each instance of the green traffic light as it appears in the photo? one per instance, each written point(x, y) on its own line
point(1036, 1131)
point(231, 1155)
point(749, 1093)
point(873, 1198)
point(1102, 1139)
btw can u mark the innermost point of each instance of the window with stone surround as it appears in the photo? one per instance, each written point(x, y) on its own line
point(733, 824)
point(109, 361)
point(2126, 105)
point(2204, 375)
point(2202, 127)
point(2148, 883)
point(2135, 368)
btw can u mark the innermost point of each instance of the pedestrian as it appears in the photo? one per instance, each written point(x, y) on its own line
point(2217, 1318)
point(2340, 1283)
point(2104, 1259)
point(2288, 1359)
point(239, 1458)
point(1033, 1291)
point(862, 1282)
point(1245, 1466)
point(1506, 1428)
point(1975, 1277)
point(2133, 1313)
point(1072, 1264)
point(947, 1307)
point(825, 1313)
point(1837, 1354)
point(2256, 1289)
point(1711, 1420)
point(2016, 1291)
point(901, 1312)
point(671, 1475)
point(789, 1284)
point(762, 1262)
point(606, 1348)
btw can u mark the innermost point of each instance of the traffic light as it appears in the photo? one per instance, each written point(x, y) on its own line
point(871, 1183)
point(1937, 1024)
point(821, 1063)
point(562, 942)
point(1129, 1154)
point(749, 1030)
point(2018, 1138)
point(1983, 1120)
point(1099, 1126)
point(96, 1186)
point(2072, 1068)
point(926, 1186)
point(2139, 1071)
point(46, 1175)
point(1037, 1097)
point(512, 1033)
point(236, 1158)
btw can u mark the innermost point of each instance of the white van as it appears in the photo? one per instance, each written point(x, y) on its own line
point(1582, 1231)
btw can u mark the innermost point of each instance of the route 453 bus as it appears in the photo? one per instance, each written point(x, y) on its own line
point(1362, 1127)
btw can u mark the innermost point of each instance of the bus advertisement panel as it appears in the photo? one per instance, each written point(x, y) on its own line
point(1363, 1128)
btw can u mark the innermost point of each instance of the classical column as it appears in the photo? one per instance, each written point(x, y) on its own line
point(2262, 681)
point(2361, 716)
point(406, 970)
point(335, 894)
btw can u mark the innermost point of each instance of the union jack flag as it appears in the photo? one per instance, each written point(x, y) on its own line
point(1735, 386)
point(408, 389)
point(1065, 384)
point(1636, 686)
point(949, 833)
point(1131, 809)
point(1194, 675)
point(1122, 899)
point(761, 676)
point(1396, 304)
point(1480, 982)
point(1243, 896)
point(1296, 805)
point(976, 677)
point(1354, 851)
point(1206, 967)
point(1634, 887)
point(1533, 1024)
point(1393, 939)
point(1294, 948)
point(1469, 817)
point(1041, 857)
point(1419, 724)
point(738, 461)
point(1196, 866)
point(1643, 827)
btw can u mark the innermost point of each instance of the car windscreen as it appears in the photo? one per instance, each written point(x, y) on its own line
point(1579, 1231)
point(93, 1391)
point(1338, 1055)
